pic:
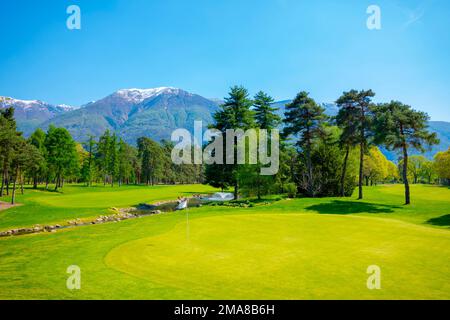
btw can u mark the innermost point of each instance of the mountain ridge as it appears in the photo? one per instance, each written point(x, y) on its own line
point(133, 113)
point(152, 112)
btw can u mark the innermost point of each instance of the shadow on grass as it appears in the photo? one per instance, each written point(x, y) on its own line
point(442, 221)
point(42, 189)
point(351, 207)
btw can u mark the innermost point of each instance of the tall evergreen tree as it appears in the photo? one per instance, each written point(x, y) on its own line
point(103, 155)
point(151, 155)
point(399, 127)
point(305, 118)
point(347, 121)
point(24, 155)
point(113, 161)
point(235, 113)
point(126, 155)
point(37, 139)
point(265, 114)
point(250, 178)
point(9, 137)
point(88, 165)
point(355, 107)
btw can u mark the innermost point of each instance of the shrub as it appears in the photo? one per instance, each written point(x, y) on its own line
point(291, 190)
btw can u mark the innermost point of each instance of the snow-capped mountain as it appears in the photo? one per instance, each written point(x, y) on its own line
point(31, 113)
point(133, 113)
point(139, 95)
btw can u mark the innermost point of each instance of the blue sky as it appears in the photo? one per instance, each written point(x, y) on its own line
point(206, 46)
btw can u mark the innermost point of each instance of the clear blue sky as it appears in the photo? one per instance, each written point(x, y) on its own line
point(205, 46)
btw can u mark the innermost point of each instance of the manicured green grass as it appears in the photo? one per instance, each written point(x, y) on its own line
point(77, 201)
point(291, 249)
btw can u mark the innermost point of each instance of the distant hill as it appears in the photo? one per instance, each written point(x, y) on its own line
point(30, 114)
point(154, 113)
point(442, 129)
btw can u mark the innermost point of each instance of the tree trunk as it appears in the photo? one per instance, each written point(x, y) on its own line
point(57, 182)
point(310, 186)
point(236, 190)
point(405, 175)
point(21, 184)
point(309, 167)
point(361, 170)
point(7, 183)
point(13, 196)
point(344, 172)
point(259, 191)
point(3, 183)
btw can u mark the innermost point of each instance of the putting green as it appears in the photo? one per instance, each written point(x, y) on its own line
point(291, 256)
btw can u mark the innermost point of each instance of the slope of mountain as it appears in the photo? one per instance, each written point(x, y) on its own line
point(133, 113)
point(30, 114)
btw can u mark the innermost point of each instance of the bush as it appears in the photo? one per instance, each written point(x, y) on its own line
point(291, 190)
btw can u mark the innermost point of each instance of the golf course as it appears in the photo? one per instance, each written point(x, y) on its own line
point(274, 248)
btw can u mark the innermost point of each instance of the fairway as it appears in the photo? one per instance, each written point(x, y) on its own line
point(288, 249)
point(77, 201)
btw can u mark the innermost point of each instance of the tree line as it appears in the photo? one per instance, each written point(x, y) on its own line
point(53, 157)
point(319, 155)
point(328, 156)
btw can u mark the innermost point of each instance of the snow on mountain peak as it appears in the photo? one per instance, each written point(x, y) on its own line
point(32, 104)
point(25, 104)
point(66, 107)
point(12, 100)
point(139, 95)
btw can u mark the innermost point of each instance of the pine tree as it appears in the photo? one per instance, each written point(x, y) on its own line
point(126, 155)
point(113, 162)
point(304, 117)
point(103, 155)
point(37, 139)
point(347, 121)
point(235, 113)
point(356, 120)
point(399, 127)
point(8, 138)
point(24, 155)
point(265, 114)
point(88, 165)
point(151, 155)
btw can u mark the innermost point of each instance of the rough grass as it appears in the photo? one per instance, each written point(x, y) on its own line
point(290, 249)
